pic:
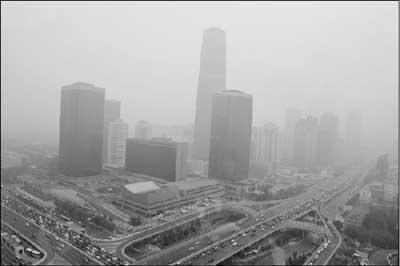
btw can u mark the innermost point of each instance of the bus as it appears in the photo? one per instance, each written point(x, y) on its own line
point(65, 218)
point(33, 253)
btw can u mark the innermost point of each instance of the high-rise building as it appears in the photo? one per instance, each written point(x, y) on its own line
point(112, 112)
point(143, 130)
point(212, 78)
point(353, 136)
point(81, 129)
point(292, 116)
point(157, 157)
point(327, 140)
point(230, 135)
point(382, 167)
point(305, 140)
point(264, 148)
point(117, 133)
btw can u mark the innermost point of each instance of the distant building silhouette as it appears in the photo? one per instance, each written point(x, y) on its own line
point(230, 135)
point(112, 112)
point(304, 144)
point(382, 167)
point(81, 129)
point(117, 133)
point(292, 116)
point(212, 78)
point(157, 157)
point(353, 136)
point(327, 140)
point(143, 130)
point(264, 149)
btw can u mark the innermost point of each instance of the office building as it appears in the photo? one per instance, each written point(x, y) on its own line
point(81, 129)
point(264, 148)
point(143, 130)
point(158, 157)
point(112, 112)
point(382, 167)
point(327, 140)
point(292, 116)
point(305, 141)
point(230, 135)
point(117, 133)
point(212, 78)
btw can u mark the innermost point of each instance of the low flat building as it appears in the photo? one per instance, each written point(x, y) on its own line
point(239, 189)
point(148, 199)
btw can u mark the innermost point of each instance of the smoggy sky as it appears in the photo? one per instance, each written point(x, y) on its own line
point(315, 56)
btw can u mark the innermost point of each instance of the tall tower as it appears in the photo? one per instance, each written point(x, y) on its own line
point(230, 135)
point(117, 133)
point(292, 116)
point(304, 143)
point(112, 112)
point(81, 129)
point(212, 78)
point(143, 130)
point(327, 140)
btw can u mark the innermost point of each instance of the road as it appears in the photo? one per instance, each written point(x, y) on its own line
point(171, 254)
point(222, 254)
point(44, 238)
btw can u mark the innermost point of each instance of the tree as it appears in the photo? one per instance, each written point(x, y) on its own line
point(338, 225)
point(135, 221)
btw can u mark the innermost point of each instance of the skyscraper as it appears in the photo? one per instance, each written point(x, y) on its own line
point(112, 112)
point(143, 130)
point(304, 143)
point(292, 116)
point(81, 129)
point(327, 140)
point(230, 135)
point(264, 148)
point(382, 167)
point(212, 78)
point(117, 133)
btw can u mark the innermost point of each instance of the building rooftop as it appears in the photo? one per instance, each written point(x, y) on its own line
point(142, 187)
point(233, 93)
point(156, 141)
point(193, 183)
point(82, 86)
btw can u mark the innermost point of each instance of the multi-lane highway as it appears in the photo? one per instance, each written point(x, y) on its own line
point(221, 254)
point(200, 253)
point(45, 239)
point(180, 251)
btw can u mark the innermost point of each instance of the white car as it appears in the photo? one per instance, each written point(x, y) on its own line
point(198, 243)
point(191, 248)
point(234, 243)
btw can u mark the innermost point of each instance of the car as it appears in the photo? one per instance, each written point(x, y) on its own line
point(191, 248)
point(234, 243)
point(203, 254)
point(197, 243)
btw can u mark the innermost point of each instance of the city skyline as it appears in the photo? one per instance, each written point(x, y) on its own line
point(272, 92)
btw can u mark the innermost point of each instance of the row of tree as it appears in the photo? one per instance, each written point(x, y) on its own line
point(379, 227)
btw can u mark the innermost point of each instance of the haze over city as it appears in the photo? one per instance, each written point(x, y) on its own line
point(318, 57)
point(203, 133)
